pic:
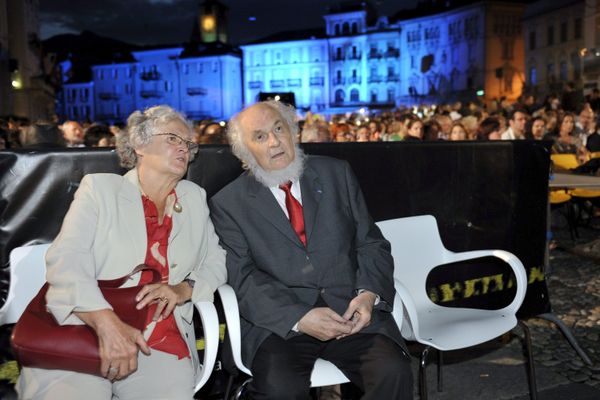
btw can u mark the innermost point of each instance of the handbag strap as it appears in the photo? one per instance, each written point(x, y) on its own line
point(115, 283)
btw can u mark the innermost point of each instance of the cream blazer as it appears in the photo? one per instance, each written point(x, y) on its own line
point(103, 236)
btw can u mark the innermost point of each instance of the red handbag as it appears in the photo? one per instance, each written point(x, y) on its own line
point(39, 342)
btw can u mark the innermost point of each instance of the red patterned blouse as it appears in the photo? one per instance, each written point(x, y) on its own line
point(165, 335)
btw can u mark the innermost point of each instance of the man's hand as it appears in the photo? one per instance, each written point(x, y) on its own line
point(324, 324)
point(359, 311)
point(118, 343)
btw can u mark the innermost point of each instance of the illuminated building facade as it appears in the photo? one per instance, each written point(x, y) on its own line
point(24, 91)
point(554, 37)
point(462, 53)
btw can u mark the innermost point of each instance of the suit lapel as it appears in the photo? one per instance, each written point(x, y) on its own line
point(178, 217)
point(312, 191)
point(262, 201)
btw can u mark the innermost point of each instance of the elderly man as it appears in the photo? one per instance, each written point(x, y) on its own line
point(312, 272)
point(72, 133)
point(516, 122)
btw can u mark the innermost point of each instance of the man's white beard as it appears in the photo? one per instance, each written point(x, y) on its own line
point(277, 177)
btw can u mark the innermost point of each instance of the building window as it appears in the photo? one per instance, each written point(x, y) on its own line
point(353, 51)
point(186, 69)
point(373, 96)
point(532, 76)
point(337, 29)
point(550, 38)
point(339, 96)
point(128, 72)
point(354, 73)
point(563, 32)
point(391, 95)
point(577, 28)
point(199, 67)
point(338, 53)
point(550, 72)
point(532, 39)
point(115, 73)
point(354, 96)
point(354, 27)
point(101, 74)
point(345, 28)
point(412, 61)
point(563, 71)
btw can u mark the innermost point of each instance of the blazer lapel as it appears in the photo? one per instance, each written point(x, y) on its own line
point(262, 201)
point(130, 204)
point(178, 217)
point(312, 191)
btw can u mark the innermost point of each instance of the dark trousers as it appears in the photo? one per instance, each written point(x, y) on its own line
point(281, 368)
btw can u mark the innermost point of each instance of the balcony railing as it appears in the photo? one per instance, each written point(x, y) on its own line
point(338, 57)
point(317, 81)
point(277, 83)
point(392, 52)
point(353, 79)
point(356, 56)
point(255, 84)
point(375, 79)
point(150, 93)
point(393, 78)
point(197, 91)
point(294, 82)
point(109, 96)
point(338, 81)
point(374, 54)
point(150, 76)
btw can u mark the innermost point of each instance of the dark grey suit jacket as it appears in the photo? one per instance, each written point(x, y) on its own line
point(277, 280)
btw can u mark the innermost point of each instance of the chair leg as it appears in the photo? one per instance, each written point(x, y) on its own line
point(228, 387)
point(440, 378)
point(422, 373)
point(530, 364)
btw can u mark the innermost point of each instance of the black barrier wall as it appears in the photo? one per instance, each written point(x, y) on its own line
point(484, 195)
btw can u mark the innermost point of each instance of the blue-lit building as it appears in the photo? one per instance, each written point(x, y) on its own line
point(429, 55)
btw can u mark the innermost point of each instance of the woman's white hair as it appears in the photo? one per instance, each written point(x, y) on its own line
point(141, 126)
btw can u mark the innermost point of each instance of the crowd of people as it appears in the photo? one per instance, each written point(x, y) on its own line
point(569, 120)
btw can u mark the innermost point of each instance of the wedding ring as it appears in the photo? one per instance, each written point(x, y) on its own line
point(113, 370)
point(164, 299)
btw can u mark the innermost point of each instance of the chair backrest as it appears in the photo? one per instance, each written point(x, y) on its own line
point(565, 161)
point(27, 276)
point(416, 247)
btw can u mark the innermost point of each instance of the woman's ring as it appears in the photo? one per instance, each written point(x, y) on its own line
point(164, 299)
point(113, 370)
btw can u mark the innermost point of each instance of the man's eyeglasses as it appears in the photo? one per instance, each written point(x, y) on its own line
point(175, 140)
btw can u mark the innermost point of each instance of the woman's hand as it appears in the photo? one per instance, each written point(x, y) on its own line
point(118, 343)
point(166, 297)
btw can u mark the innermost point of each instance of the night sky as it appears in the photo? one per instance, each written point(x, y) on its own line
point(164, 22)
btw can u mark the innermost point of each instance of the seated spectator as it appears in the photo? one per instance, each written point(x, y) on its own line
point(362, 134)
point(489, 129)
point(72, 134)
point(41, 136)
point(458, 132)
point(565, 142)
point(323, 134)
point(535, 128)
point(414, 131)
point(431, 131)
point(516, 121)
point(470, 124)
point(309, 134)
point(99, 135)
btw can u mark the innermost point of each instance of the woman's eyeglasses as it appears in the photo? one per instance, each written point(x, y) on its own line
point(175, 140)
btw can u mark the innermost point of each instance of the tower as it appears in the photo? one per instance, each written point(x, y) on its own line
point(212, 22)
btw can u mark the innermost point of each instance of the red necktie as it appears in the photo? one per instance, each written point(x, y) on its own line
point(295, 212)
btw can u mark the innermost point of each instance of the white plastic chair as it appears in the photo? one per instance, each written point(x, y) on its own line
point(324, 373)
point(417, 249)
point(28, 275)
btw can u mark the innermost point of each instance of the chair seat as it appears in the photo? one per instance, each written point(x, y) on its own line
point(448, 328)
point(559, 197)
point(587, 193)
point(324, 373)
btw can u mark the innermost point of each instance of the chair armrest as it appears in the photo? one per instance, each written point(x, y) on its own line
point(232, 319)
point(210, 327)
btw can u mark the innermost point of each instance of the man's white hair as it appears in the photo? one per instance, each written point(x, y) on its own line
point(268, 178)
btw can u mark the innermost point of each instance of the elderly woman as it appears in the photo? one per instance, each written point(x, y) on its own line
point(149, 215)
